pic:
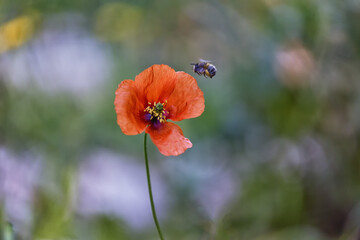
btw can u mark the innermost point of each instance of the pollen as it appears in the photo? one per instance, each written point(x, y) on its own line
point(157, 111)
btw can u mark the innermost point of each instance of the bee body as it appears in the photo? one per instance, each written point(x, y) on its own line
point(204, 68)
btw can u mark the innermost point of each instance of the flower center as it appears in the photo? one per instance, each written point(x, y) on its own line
point(157, 111)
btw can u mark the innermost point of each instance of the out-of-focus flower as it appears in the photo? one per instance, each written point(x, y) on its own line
point(294, 66)
point(114, 184)
point(63, 58)
point(16, 32)
point(18, 178)
point(158, 94)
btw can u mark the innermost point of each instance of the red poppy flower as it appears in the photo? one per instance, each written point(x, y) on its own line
point(157, 95)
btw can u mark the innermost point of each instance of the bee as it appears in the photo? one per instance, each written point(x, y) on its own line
point(204, 68)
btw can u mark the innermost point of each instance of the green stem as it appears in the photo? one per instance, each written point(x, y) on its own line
point(150, 191)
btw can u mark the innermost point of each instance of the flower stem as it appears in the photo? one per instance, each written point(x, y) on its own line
point(150, 190)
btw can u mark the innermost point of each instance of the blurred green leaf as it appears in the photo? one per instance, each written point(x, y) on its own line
point(8, 231)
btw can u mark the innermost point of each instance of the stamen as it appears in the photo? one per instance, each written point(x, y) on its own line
point(157, 110)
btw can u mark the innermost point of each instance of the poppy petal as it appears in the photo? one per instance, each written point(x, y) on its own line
point(129, 109)
point(187, 99)
point(156, 83)
point(169, 139)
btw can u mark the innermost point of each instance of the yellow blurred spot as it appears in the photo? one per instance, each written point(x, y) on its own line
point(16, 32)
point(118, 21)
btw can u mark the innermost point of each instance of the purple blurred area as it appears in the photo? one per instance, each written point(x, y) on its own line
point(109, 183)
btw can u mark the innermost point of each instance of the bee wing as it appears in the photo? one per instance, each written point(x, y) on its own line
point(203, 60)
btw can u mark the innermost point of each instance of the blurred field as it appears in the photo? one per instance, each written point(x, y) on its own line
point(276, 153)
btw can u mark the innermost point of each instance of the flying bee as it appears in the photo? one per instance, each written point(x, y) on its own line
point(204, 68)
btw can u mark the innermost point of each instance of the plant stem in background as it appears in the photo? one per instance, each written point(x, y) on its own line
point(8, 231)
point(150, 190)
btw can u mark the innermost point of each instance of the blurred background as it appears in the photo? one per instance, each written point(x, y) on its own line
point(276, 153)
